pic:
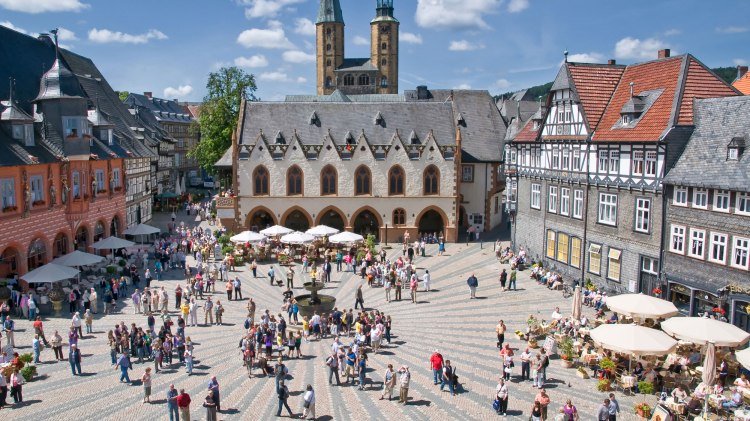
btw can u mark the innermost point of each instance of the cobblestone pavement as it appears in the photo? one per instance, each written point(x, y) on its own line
point(445, 318)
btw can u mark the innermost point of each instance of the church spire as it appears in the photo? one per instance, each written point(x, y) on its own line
point(385, 8)
point(330, 12)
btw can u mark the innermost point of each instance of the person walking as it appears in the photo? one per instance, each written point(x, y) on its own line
point(3, 391)
point(74, 358)
point(146, 381)
point(56, 342)
point(213, 388)
point(282, 392)
point(436, 364)
point(426, 280)
point(603, 413)
point(389, 382)
point(570, 411)
point(36, 346)
point(123, 362)
point(543, 399)
point(512, 283)
point(271, 275)
point(473, 284)
point(207, 311)
point(237, 284)
point(16, 386)
point(359, 300)
point(537, 372)
point(614, 407)
point(183, 405)
point(308, 402)
point(404, 379)
point(362, 369)
point(333, 368)
point(447, 377)
point(413, 285)
point(88, 320)
point(526, 365)
point(502, 396)
point(229, 287)
point(9, 326)
point(174, 414)
point(503, 279)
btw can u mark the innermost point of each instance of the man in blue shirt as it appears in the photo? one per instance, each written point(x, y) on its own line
point(174, 414)
point(473, 284)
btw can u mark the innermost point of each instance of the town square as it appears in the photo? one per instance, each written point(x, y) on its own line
point(390, 209)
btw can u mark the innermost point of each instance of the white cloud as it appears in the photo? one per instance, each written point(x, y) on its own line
point(178, 92)
point(502, 84)
point(516, 6)
point(672, 32)
point(456, 14)
point(103, 36)
point(301, 80)
point(41, 6)
point(304, 26)
point(9, 25)
point(296, 56)
point(66, 35)
point(273, 37)
point(462, 86)
point(274, 77)
point(410, 38)
point(739, 62)
point(586, 58)
point(252, 61)
point(732, 29)
point(358, 40)
point(634, 48)
point(266, 8)
point(464, 45)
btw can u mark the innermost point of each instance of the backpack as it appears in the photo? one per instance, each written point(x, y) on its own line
point(545, 362)
point(247, 324)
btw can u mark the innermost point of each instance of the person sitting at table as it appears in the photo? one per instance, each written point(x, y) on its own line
point(601, 302)
point(679, 393)
point(678, 365)
point(584, 321)
point(650, 375)
point(638, 371)
point(734, 401)
point(718, 389)
point(556, 316)
point(742, 383)
point(695, 358)
point(701, 391)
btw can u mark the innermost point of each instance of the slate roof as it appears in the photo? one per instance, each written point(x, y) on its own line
point(681, 79)
point(225, 162)
point(330, 11)
point(484, 132)
point(742, 84)
point(356, 65)
point(338, 96)
point(340, 119)
point(704, 161)
point(520, 104)
point(164, 110)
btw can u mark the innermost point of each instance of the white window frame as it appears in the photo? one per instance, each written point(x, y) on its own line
point(603, 162)
point(576, 160)
point(8, 192)
point(566, 159)
point(564, 201)
point(552, 199)
point(677, 232)
point(555, 158)
point(722, 200)
point(643, 215)
point(700, 198)
point(680, 196)
point(638, 162)
point(742, 204)
point(650, 163)
point(607, 214)
point(740, 253)
point(535, 202)
point(614, 161)
point(36, 185)
point(733, 154)
point(578, 204)
point(697, 241)
point(717, 251)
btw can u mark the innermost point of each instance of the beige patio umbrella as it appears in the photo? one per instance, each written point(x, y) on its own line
point(743, 357)
point(709, 370)
point(577, 303)
point(640, 306)
point(633, 339)
point(701, 331)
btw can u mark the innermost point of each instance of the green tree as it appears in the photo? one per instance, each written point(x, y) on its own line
point(123, 95)
point(220, 111)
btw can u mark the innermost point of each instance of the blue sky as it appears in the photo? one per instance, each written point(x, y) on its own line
point(169, 46)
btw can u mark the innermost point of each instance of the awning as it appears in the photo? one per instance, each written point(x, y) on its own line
point(614, 254)
point(595, 248)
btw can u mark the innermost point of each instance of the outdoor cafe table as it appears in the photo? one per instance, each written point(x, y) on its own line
point(628, 381)
point(677, 408)
point(742, 415)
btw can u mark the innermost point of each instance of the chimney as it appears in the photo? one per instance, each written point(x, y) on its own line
point(148, 95)
point(611, 62)
point(741, 70)
point(422, 92)
point(664, 53)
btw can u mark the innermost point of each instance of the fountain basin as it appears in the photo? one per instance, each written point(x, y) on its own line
point(308, 306)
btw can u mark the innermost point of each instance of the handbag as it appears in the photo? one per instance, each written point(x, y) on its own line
point(306, 404)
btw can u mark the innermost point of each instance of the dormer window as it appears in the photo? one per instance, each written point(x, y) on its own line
point(460, 120)
point(414, 138)
point(280, 139)
point(535, 125)
point(735, 148)
point(350, 139)
point(626, 119)
point(74, 127)
point(379, 120)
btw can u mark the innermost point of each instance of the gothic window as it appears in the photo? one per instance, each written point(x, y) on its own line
point(348, 80)
point(260, 179)
point(294, 181)
point(329, 83)
point(399, 217)
point(383, 62)
point(384, 82)
point(431, 181)
point(362, 181)
point(328, 181)
point(328, 63)
point(395, 181)
point(328, 31)
point(384, 46)
point(328, 47)
point(363, 80)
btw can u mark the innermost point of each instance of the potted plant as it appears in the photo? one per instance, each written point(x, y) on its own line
point(604, 385)
point(581, 372)
point(28, 372)
point(643, 409)
point(56, 295)
point(533, 325)
point(566, 352)
point(608, 366)
point(647, 388)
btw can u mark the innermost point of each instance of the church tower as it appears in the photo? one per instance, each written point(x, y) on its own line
point(384, 47)
point(329, 44)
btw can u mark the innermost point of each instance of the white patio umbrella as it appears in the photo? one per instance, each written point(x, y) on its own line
point(276, 230)
point(297, 238)
point(247, 237)
point(743, 357)
point(321, 230)
point(49, 273)
point(701, 331)
point(577, 303)
point(142, 229)
point(177, 187)
point(112, 243)
point(640, 306)
point(78, 258)
point(345, 237)
point(633, 339)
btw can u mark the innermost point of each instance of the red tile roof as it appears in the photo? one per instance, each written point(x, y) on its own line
point(594, 85)
point(700, 83)
point(527, 133)
point(743, 84)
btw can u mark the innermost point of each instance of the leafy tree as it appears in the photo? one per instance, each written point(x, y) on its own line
point(220, 111)
point(123, 95)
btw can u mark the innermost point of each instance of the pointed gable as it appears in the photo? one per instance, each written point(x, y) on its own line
point(700, 83)
point(594, 85)
point(562, 80)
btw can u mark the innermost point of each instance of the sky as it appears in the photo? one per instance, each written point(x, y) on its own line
point(169, 47)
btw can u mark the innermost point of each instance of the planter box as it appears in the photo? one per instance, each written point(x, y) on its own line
point(583, 375)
